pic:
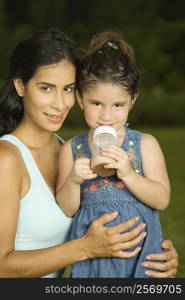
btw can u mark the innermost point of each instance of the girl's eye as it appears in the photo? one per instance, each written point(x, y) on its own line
point(96, 103)
point(119, 105)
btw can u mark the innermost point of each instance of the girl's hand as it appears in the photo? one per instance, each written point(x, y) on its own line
point(168, 268)
point(120, 160)
point(81, 170)
point(103, 241)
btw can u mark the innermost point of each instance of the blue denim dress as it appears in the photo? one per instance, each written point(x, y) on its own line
point(107, 194)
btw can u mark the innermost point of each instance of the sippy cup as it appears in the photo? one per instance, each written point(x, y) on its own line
point(102, 136)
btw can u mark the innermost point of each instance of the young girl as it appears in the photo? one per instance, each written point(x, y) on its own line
point(107, 82)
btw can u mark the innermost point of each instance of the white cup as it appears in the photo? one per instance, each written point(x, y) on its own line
point(103, 135)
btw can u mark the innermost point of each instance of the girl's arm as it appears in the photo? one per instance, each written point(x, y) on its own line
point(71, 174)
point(153, 189)
point(67, 191)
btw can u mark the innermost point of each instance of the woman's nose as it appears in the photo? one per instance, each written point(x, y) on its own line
point(59, 101)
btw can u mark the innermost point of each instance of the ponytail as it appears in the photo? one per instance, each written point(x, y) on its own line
point(110, 39)
point(109, 59)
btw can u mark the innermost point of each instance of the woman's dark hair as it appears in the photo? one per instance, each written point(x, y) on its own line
point(111, 60)
point(38, 49)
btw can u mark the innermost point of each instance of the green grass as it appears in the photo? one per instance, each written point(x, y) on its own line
point(172, 141)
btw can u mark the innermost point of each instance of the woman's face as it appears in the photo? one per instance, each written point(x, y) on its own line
point(48, 96)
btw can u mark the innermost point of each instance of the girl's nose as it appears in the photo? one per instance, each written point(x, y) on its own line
point(106, 114)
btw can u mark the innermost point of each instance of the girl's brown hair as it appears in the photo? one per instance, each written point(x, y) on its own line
point(109, 59)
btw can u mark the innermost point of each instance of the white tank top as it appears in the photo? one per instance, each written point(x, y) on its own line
point(41, 222)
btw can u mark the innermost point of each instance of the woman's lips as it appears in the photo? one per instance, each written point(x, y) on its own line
point(54, 118)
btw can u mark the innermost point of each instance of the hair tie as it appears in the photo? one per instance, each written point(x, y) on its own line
point(112, 45)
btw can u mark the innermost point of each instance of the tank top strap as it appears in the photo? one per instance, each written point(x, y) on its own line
point(61, 140)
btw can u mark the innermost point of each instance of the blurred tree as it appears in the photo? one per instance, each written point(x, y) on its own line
point(17, 12)
point(171, 10)
point(46, 13)
point(155, 29)
point(3, 35)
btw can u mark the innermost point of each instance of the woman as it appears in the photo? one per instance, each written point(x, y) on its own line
point(35, 100)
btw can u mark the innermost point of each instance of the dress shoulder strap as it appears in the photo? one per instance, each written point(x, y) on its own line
point(132, 136)
point(132, 144)
point(79, 145)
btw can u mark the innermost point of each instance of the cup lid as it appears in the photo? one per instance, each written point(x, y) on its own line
point(105, 129)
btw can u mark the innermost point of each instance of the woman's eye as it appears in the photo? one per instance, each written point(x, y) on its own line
point(69, 89)
point(45, 89)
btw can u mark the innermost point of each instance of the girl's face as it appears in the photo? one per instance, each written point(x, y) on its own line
point(48, 96)
point(106, 104)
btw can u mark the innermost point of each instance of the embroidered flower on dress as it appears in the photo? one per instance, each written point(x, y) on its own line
point(104, 184)
point(93, 187)
point(119, 185)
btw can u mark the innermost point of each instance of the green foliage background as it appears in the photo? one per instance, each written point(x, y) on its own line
point(155, 29)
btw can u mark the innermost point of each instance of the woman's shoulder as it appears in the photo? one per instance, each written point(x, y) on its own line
point(11, 174)
point(9, 155)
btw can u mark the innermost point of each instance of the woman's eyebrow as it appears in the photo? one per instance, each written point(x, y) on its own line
point(46, 83)
point(54, 85)
point(70, 84)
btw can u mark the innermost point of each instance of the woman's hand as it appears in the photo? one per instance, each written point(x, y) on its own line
point(168, 268)
point(103, 241)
